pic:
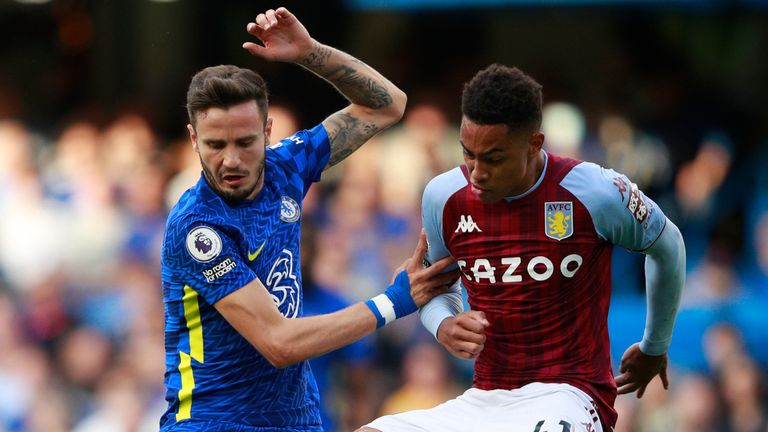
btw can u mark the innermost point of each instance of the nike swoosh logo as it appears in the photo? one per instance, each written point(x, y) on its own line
point(252, 256)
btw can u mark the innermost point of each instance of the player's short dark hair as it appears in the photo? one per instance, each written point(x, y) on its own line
point(503, 95)
point(223, 87)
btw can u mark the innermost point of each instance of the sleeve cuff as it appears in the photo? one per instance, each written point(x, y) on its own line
point(654, 348)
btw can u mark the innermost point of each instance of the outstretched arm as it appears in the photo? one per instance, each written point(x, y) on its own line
point(375, 103)
point(283, 341)
point(665, 276)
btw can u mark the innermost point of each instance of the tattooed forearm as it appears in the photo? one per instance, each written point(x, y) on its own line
point(346, 134)
point(352, 78)
point(359, 88)
point(318, 58)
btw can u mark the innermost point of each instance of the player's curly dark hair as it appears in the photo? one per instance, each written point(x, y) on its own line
point(503, 95)
point(223, 87)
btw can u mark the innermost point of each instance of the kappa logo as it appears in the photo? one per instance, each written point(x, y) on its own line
point(466, 224)
point(559, 219)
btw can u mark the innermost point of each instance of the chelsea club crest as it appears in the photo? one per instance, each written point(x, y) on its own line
point(289, 209)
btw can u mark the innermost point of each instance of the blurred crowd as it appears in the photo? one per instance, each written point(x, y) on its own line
point(82, 215)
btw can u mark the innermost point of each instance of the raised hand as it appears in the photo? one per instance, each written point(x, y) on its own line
point(430, 281)
point(284, 37)
point(464, 334)
point(638, 369)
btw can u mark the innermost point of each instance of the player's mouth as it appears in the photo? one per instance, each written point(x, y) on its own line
point(233, 180)
point(477, 190)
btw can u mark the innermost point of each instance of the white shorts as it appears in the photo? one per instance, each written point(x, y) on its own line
point(536, 407)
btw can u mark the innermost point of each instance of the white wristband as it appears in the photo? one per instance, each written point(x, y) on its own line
point(386, 308)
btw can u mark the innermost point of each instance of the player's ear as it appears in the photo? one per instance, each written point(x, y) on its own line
point(537, 141)
point(268, 132)
point(193, 137)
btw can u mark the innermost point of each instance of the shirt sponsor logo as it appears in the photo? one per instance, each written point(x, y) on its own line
point(203, 244)
point(636, 204)
point(289, 209)
point(219, 270)
point(466, 224)
point(538, 268)
point(558, 221)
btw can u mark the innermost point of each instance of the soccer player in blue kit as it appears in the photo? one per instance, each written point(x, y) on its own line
point(236, 343)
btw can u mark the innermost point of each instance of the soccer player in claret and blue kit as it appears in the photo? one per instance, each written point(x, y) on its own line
point(235, 339)
point(532, 233)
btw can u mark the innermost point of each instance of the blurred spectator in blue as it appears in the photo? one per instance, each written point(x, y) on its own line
point(756, 268)
point(143, 198)
point(343, 375)
point(703, 199)
point(82, 357)
point(713, 282)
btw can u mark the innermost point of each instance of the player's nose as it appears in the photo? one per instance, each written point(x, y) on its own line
point(478, 174)
point(231, 158)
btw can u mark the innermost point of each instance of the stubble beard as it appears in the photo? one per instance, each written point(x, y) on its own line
point(232, 196)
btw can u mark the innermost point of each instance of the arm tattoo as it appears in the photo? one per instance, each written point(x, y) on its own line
point(346, 134)
point(318, 58)
point(354, 85)
point(359, 88)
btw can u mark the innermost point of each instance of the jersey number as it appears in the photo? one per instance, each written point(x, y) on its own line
point(566, 426)
point(195, 328)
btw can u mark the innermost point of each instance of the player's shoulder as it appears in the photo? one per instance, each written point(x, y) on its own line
point(592, 182)
point(443, 186)
point(287, 148)
point(192, 211)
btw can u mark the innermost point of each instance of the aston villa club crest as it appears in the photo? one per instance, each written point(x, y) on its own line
point(558, 219)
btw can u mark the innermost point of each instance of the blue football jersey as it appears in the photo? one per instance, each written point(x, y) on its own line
point(211, 249)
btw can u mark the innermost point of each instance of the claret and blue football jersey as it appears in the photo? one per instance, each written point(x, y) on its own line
point(213, 248)
point(539, 266)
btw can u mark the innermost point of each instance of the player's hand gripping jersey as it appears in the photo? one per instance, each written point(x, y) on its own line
point(539, 266)
point(211, 249)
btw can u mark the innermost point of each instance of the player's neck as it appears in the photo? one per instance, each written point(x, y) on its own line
point(533, 175)
point(535, 168)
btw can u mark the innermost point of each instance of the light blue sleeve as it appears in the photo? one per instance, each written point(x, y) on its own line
point(621, 213)
point(664, 280)
point(435, 196)
point(624, 216)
